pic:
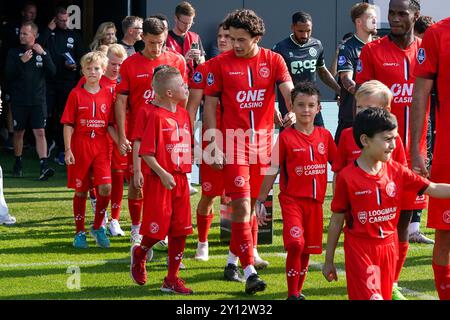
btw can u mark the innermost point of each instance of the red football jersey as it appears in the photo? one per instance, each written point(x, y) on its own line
point(167, 137)
point(198, 81)
point(246, 87)
point(372, 202)
point(384, 61)
point(89, 114)
point(434, 63)
point(136, 75)
point(348, 151)
point(303, 162)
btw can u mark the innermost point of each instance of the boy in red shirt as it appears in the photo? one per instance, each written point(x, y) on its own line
point(87, 118)
point(368, 198)
point(166, 149)
point(302, 156)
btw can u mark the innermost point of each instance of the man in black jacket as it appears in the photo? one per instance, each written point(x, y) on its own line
point(26, 69)
point(66, 48)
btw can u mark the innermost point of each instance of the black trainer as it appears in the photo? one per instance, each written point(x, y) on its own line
point(232, 273)
point(46, 173)
point(254, 284)
point(300, 297)
point(17, 170)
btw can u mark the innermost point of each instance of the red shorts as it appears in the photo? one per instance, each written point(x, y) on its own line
point(212, 181)
point(302, 223)
point(92, 157)
point(166, 212)
point(243, 181)
point(439, 209)
point(370, 267)
point(118, 161)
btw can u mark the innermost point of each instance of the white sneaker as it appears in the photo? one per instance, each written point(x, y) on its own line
point(114, 228)
point(202, 253)
point(259, 263)
point(7, 220)
point(149, 255)
point(192, 190)
point(135, 237)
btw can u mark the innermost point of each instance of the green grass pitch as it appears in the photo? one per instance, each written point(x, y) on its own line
point(37, 257)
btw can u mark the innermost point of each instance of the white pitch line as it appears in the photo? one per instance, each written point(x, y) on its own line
point(312, 264)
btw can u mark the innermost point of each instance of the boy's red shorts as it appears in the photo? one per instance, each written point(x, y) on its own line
point(212, 181)
point(370, 267)
point(302, 223)
point(166, 212)
point(118, 161)
point(91, 155)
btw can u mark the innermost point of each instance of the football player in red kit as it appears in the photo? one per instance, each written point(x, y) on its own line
point(244, 79)
point(87, 118)
point(392, 60)
point(434, 69)
point(301, 155)
point(166, 149)
point(368, 196)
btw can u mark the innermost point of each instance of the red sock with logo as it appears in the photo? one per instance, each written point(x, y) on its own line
point(442, 281)
point(304, 262)
point(100, 210)
point(176, 249)
point(148, 242)
point(293, 266)
point(402, 253)
point(116, 194)
point(203, 225)
point(135, 208)
point(241, 242)
point(254, 225)
point(79, 212)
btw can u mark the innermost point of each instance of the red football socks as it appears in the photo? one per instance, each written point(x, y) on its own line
point(442, 281)
point(203, 225)
point(293, 266)
point(79, 212)
point(304, 262)
point(176, 249)
point(135, 208)
point(402, 253)
point(241, 242)
point(148, 242)
point(100, 210)
point(116, 194)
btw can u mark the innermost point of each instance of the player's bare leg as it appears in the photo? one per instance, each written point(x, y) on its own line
point(259, 262)
point(242, 243)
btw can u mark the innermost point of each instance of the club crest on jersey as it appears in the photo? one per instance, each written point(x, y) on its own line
point(421, 55)
point(239, 181)
point(154, 227)
point(70, 40)
point(103, 108)
point(342, 60)
point(359, 66)
point(312, 52)
point(391, 189)
point(210, 79)
point(362, 217)
point(295, 232)
point(264, 72)
point(446, 217)
point(39, 58)
point(321, 148)
point(299, 170)
point(197, 77)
